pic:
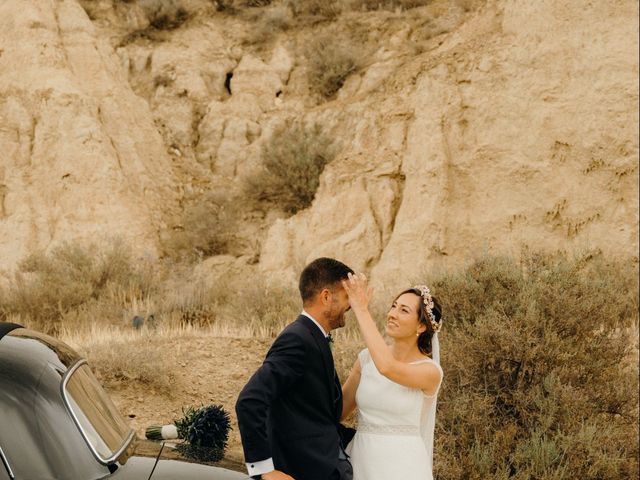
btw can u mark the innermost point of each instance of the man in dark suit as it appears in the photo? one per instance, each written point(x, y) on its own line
point(289, 411)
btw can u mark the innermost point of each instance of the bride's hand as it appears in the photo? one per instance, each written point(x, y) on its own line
point(359, 291)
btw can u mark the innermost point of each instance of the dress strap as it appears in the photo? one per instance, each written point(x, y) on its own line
point(424, 360)
point(364, 356)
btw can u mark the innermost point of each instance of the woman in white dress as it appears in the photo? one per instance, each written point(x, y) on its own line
point(394, 387)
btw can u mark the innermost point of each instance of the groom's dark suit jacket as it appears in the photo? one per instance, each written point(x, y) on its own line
point(290, 408)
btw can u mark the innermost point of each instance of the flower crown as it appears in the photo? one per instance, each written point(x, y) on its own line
point(427, 299)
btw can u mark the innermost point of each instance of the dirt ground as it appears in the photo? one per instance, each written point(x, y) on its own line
point(209, 370)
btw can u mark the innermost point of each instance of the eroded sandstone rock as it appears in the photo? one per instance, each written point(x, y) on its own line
point(465, 133)
point(521, 129)
point(80, 155)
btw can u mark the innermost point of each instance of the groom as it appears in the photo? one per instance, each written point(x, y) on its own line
point(289, 411)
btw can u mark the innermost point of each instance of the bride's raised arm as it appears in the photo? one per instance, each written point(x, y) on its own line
point(425, 376)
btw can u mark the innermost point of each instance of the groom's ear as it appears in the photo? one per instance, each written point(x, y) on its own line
point(325, 296)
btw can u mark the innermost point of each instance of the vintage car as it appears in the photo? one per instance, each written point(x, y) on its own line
point(57, 422)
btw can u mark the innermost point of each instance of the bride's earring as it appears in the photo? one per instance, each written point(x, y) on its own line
point(418, 334)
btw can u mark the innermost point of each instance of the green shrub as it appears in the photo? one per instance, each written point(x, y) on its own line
point(48, 286)
point(331, 57)
point(292, 161)
point(541, 379)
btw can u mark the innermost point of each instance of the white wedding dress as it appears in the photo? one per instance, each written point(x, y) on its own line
point(394, 438)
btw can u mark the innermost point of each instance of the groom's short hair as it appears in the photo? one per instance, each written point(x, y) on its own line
point(321, 273)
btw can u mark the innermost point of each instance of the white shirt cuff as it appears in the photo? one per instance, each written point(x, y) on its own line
point(258, 468)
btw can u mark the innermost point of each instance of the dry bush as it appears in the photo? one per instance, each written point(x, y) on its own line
point(161, 16)
point(192, 303)
point(258, 307)
point(237, 6)
point(368, 5)
point(292, 161)
point(318, 9)
point(207, 227)
point(46, 287)
point(305, 11)
point(257, 3)
point(268, 23)
point(134, 362)
point(541, 376)
point(251, 306)
point(164, 14)
point(331, 58)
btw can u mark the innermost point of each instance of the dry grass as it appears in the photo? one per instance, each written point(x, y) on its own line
point(134, 361)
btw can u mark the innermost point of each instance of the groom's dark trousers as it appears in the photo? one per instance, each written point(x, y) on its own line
point(290, 408)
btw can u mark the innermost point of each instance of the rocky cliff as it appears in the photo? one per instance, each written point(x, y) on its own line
point(80, 156)
point(469, 127)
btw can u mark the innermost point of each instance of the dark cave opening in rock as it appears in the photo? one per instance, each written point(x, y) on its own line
point(227, 82)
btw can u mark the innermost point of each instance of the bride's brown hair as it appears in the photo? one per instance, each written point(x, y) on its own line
point(424, 339)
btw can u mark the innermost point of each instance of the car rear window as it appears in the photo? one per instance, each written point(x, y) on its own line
point(104, 429)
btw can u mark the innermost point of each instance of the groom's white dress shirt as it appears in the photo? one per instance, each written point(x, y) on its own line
point(266, 466)
point(314, 321)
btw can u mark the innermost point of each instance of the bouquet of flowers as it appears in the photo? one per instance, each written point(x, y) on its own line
point(205, 430)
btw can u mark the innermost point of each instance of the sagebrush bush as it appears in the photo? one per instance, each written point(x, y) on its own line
point(331, 58)
point(257, 3)
point(165, 14)
point(541, 379)
point(47, 286)
point(326, 9)
point(207, 227)
point(268, 24)
point(161, 16)
point(387, 4)
point(292, 161)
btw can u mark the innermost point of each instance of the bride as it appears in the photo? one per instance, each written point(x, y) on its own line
point(394, 387)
